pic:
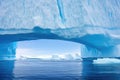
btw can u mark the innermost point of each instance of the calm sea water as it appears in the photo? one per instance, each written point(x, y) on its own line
point(57, 70)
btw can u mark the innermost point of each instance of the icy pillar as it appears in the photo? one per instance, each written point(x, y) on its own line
point(7, 51)
point(89, 52)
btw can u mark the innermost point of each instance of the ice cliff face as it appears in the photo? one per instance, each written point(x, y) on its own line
point(94, 23)
point(59, 13)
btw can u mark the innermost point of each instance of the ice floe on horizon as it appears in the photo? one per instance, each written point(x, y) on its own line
point(55, 57)
point(66, 57)
point(106, 61)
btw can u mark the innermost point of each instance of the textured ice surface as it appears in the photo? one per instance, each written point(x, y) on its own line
point(59, 13)
point(94, 23)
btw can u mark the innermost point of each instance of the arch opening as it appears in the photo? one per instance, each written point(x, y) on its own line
point(45, 49)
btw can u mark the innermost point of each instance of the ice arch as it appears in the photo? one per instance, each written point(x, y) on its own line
point(96, 24)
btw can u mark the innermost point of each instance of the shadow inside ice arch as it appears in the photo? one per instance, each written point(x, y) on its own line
point(48, 50)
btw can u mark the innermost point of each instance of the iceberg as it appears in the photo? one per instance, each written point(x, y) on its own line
point(95, 24)
point(52, 57)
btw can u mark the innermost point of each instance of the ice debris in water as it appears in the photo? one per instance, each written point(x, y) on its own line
point(106, 61)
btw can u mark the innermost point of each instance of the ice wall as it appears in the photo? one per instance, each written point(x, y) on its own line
point(45, 13)
point(94, 23)
point(59, 13)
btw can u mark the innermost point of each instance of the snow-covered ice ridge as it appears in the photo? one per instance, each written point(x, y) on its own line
point(94, 23)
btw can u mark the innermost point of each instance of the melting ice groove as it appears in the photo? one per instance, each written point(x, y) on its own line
point(61, 12)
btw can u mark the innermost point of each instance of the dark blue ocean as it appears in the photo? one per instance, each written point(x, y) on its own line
point(34, 69)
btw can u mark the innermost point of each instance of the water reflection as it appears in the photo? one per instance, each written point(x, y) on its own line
point(92, 71)
point(6, 70)
point(49, 70)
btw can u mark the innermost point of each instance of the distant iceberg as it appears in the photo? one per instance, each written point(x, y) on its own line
point(106, 61)
point(54, 57)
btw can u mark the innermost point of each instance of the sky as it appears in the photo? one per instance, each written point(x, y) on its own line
point(46, 48)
